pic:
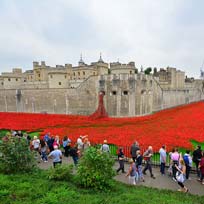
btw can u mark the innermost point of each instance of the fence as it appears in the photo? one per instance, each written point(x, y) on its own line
point(155, 159)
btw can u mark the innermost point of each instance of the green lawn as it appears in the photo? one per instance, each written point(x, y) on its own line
point(37, 189)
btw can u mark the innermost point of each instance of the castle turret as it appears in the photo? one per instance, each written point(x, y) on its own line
point(100, 59)
point(81, 62)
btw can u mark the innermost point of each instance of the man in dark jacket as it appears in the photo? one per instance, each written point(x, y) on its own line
point(133, 150)
point(197, 154)
point(121, 161)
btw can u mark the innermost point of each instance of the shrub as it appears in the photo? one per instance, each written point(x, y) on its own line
point(95, 169)
point(61, 172)
point(15, 155)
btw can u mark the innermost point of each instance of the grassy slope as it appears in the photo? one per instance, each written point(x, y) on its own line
point(36, 188)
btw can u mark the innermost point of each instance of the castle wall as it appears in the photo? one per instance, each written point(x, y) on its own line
point(74, 90)
point(125, 96)
point(82, 100)
point(58, 80)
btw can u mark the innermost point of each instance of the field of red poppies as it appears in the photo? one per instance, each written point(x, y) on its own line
point(172, 127)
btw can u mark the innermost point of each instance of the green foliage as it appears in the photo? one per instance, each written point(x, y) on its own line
point(2, 133)
point(95, 169)
point(35, 188)
point(148, 70)
point(15, 155)
point(32, 134)
point(61, 172)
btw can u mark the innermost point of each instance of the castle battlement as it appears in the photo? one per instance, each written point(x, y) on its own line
point(74, 89)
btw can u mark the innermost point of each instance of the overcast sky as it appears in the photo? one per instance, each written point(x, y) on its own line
point(156, 33)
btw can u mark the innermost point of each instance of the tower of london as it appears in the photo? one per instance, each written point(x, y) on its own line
point(67, 89)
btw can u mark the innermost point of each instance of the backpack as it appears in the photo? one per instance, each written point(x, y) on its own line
point(186, 159)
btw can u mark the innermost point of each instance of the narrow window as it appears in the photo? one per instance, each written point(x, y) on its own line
point(60, 83)
point(114, 93)
point(9, 79)
point(125, 92)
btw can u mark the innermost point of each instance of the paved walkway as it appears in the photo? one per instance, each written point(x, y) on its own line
point(161, 182)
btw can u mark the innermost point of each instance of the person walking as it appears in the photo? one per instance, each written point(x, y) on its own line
point(188, 162)
point(43, 149)
point(105, 147)
point(87, 143)
point(181, 175)
point(74, 153)
point(80, 144)
point(197, 154)
point(132, 172)
point(201, 167)
point(162, 153)
point(56, 155)
point(148, 165)
point(66, 145)
point(175, 156)
point(139, 165)
point(133, 150)
point(121, 158)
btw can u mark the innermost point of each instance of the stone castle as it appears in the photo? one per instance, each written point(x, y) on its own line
point(74, 90)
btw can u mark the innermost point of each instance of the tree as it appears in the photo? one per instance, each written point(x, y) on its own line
point(95, 169)
point(148, 70)
point(15, 155)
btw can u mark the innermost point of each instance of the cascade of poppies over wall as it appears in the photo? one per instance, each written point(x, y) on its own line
point(172, 127)
point(101, 111)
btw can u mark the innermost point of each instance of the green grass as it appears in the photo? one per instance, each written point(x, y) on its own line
point(195, 143)
point(32, 134)
point(36, 188)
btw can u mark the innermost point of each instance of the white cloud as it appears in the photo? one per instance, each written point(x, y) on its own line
point(152, 33)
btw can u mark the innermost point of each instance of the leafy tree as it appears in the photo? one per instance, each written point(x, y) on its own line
point(15, 155)
point(148, 70)
point(95, 169)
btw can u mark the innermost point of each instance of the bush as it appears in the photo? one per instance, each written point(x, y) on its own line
point(61, 173)
point(15, 155)
point(95, 169)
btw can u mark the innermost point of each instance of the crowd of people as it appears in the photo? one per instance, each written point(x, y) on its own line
point(179, 168)
point(50, 147)
point(179, 165)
